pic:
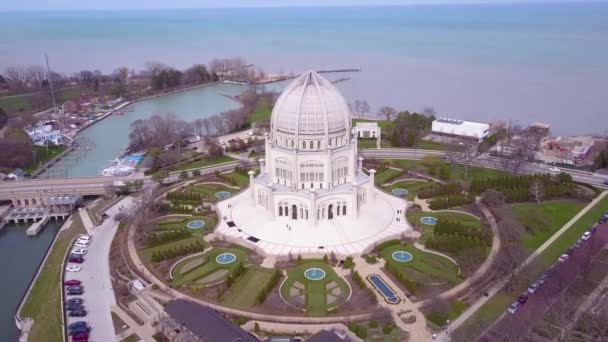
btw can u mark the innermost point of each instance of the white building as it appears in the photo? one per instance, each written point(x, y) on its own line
point(40, 135)
point(311, 190)
point(365, 130)
point(466, 129)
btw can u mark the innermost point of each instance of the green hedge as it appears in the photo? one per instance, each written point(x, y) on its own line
point(450, 201)
point(274, 280)
point(440, 190)
point(409, 284)
point(168, 253)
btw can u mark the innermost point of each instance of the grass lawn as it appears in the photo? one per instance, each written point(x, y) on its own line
point(178, 223)
point(315, 291)
point(437, 319)
point(202, 163)
point(382, 177)
point(428, 230)
point(412, 187)
point(243, 294)
point(241, 180)
point(146, 253)
point(544, 220)
point(43, 154)
point(494, 307)
point(425, 268)
point(14, 103)
point(372, 143)
point(207, 267)
point(209, 190)
point(44, 302)
point(262, 111)
point(457, 170)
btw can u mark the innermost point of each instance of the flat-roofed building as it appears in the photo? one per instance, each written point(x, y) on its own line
point(461, 128)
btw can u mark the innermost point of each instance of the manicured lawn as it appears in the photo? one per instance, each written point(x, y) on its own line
point(543, 220)
point(425, 268)
point(209, 190)
point(412, 187)
point(315, 290)
point(178, 223)
point(243, 294)
point(241, 180)
point(382, 177)
point(262, 111)
point(438, 319)
point(146, 253)
point(207, 267)
point(44, 302)
point(14, 103)
point(372, 143)
point(494, 307)
point(202, 163)
point(428, 230)
point(43, 154)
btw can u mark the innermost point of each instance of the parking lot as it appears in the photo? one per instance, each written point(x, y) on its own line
point(94, 275)
point(562, 276)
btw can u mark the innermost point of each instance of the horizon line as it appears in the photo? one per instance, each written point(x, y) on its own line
point(421, 3)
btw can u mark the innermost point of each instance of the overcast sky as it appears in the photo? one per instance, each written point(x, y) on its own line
point(10, 5)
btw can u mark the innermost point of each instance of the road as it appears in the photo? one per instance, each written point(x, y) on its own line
point(95, 277)
point(563, 275)
point(484, 160)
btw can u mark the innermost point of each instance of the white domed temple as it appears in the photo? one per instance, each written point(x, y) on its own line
point(311, 197)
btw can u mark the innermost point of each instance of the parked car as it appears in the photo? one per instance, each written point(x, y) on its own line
point(75, 300)
point(81, 244)
point(80, 337)
point(85, 237)
point(77, 313)
point(73, 268)
point(554, 169)
point(586, 236)
point(71, 282)
point(77, 324)
point(570, 251)
point(533, 287)
point(72, 255)
point(514, 307)
point(592, 229)
point(578, 243)
point(79, 330)
point(563, 257)
point(75, 288)
point(77, 260)
point(74, 306)
point(602, 220)
point(79, 251)
point(75, 293)
point(522, 299)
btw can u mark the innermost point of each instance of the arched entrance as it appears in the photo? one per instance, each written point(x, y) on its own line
point(294, 212)
point(330, 212)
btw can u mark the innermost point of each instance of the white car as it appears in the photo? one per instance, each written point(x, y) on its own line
point(554, 169)
point(563, 257)
point(83, 242)
point(85, 237)
point(514, 307)
point(73, 268)
point(79, 251)
point(586, 236)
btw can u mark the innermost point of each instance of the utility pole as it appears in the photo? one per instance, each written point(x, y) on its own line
point(48, 71)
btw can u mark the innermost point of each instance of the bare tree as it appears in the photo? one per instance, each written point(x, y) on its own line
point(198, 125)
point(121, 74)
point(364, 108)
point(493, 198)
point(537, 190)
point(387, 112)
point(16, 77)
point(218, 123)
point(429, 111)
point(207, 125)
point(36, 75)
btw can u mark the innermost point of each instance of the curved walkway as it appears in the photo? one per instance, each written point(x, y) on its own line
point(423, 248)
point(486, 264)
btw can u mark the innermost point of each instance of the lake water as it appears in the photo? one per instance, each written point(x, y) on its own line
point(527, 62)
point(20, 256)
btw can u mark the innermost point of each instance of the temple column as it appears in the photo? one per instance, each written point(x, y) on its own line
point(262, 165)
point(271, 206)
point(313, 207)
point(252, 188)
point(354, 211)
point(360, 166)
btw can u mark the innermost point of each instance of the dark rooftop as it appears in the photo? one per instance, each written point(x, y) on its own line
point(325, 336)
point(205, 323)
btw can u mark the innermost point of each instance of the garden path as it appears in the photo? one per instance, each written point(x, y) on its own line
point(405, 309)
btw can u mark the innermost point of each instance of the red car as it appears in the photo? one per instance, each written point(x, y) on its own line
point(80, 337)
point(71, 282)
point(76, 260)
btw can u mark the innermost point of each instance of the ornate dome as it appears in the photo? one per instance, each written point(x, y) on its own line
point(311, 105)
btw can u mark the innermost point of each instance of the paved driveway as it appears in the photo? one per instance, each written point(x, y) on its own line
point(95, 277)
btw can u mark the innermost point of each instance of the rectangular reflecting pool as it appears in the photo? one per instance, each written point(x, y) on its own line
point(379, 284)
